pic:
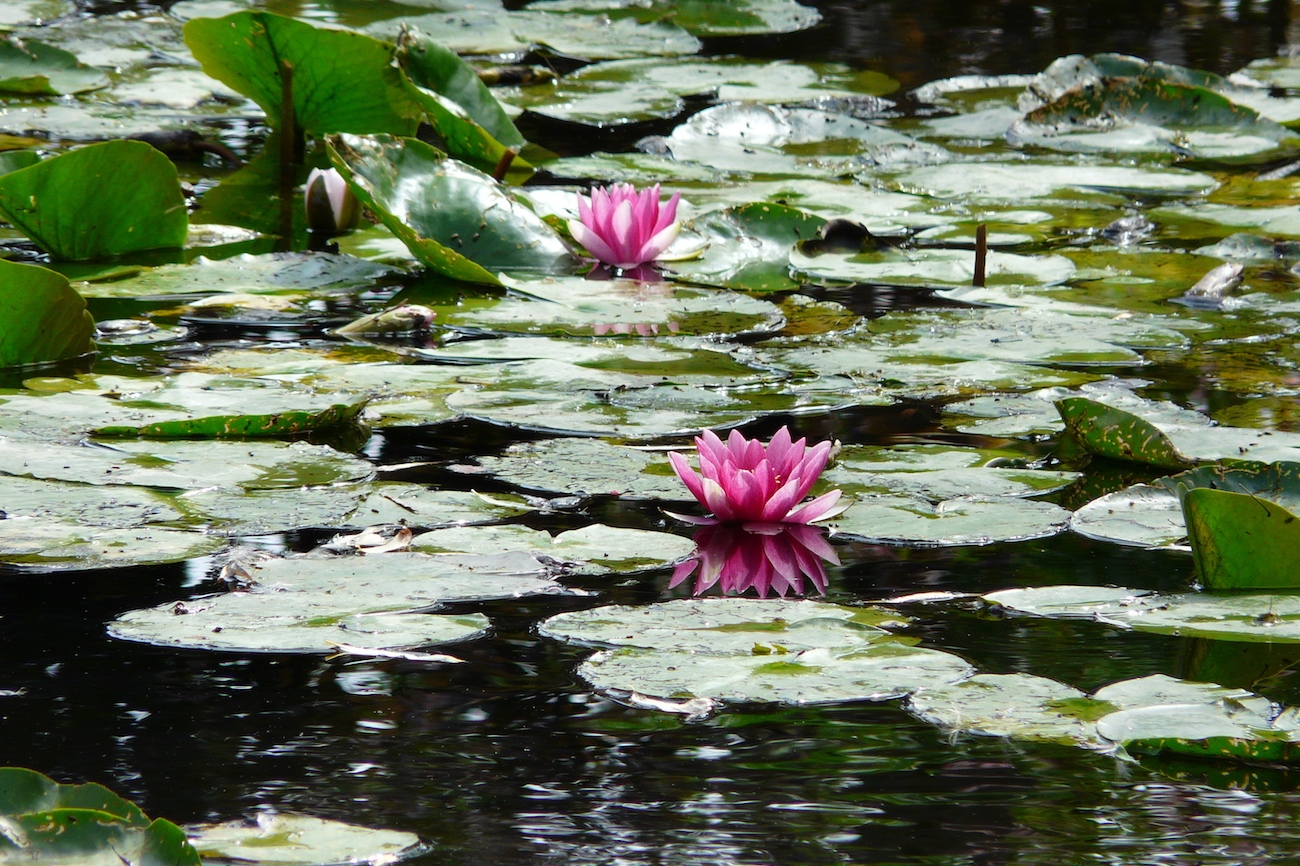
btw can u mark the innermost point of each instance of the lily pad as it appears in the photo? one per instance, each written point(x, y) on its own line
point(594, 549)
point(247, 273)
point(494, 31)
point(1016, 183)
point(287, 839)
point(1020, 706)
point(936, 472)
point(883, 670)
point(749, 247)
point(1144, 515)
point(417, 505)
point(32, 68)
point(1229, 729)
point(456, 220)
point(101, 200)
point(183, 465)
point(723, 625)
point(584, 467)
point(64, 545)
point(85, 505)
point(739, 17)
point(930, 267)
point(960, 521)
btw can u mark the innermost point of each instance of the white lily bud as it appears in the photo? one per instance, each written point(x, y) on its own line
point(331, 206)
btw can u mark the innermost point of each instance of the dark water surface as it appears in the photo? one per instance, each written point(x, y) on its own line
point(510, 760)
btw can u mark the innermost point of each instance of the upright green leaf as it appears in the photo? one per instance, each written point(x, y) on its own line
point(342, 81)
point(102, 200)
point(1240, 541)
point(1109, 432)
point(41, 318)
point(441, 70)
point(456, 220)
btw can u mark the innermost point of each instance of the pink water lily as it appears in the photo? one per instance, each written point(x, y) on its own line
point(624, 228)
point(743, 481)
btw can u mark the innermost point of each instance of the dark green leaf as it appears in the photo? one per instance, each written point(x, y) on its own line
point(1119, 435)
point(33, 68)
point(1242, 541)
point(436, 68)
point(276, 426)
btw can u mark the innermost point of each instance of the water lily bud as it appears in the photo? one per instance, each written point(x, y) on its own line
point(331, 206)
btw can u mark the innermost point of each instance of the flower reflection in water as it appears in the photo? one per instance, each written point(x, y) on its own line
point(773, 559)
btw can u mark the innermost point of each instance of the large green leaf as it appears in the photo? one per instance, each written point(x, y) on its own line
point(455, 219)
point(101, 200)
point(41, 318)
point(279, 425)
point(342, 81)
point(441, 70)
point(1115, 433)
point(1241, 541)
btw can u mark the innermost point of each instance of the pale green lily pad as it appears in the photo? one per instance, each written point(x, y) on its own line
point(935, 472)
point(930, 267)
point(762, 139)
point(1255, 617)
point(235, 512)
point(881, 671)
point(1007, 415)
point(297, 622)
point(724, 626)
point(621, 91)
point(399, 394)
point(950, 523)
point(1229, 729)
point(1020, 706)
point(30, 68)
point(300, 840)
point(739, 17)
point(65, 544)
point(126, 40)
point(1143, 515)
point(883, 213)
point(641, 169)
point(181, 89)
point(749, 247)
point(184, 465)
point(493, 31)
point(264, 273)
point(1015, 183)
point(584, 467)
point(1220, 220)
point(417, 505)
point(1158, 689)
point(86, 505)
point(20, 12)
point(572, 306)
point(594, 549)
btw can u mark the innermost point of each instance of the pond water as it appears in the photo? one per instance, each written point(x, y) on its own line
point(512, 758)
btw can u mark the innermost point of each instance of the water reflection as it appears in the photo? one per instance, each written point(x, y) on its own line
point(771, 559)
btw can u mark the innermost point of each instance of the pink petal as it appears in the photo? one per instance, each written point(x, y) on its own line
point(716, 500)
point(667, 212)
point(592, 241)
point(623, 238)
point(818, 509)
point(690, 478)
point(654, 247)
point(683, 571)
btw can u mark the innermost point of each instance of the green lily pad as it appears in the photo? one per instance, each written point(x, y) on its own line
point(286, 839)
point(1144, 515)
point(1231, 730)
point(883, 670)
point(247, 273)
point(573, 306)
point(1143, 115)
point(749, 247)
point(342, 82)
point(1019, 706)
point(717, 626)
point(86, 505)
point(956, 522)
point(1016, 183)
point(417, 505)
point(66, 545)
point(279, 425)
point(307, 605)
point(700, 17)
point(584, 467)
point(1241, 541)
point(101, 200)
point(494, 31)
point(457, 221)
point(183, 465)
point(41, 318)
point(930, 267)
point(594, 549)
point(1255, 618)
point(32, 68)
point(769, 140)
point(234, 512)
point(1168, 440)
point(51, 823)
point(935, 472)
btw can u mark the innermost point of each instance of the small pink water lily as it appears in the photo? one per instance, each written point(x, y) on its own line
point(624, 228)
point(743, 481)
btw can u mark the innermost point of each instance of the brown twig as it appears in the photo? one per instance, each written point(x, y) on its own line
point(981, 253)
point(503, 166)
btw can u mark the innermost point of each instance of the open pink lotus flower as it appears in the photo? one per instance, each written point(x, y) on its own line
point(771, 560)
point(742, 481)
point(624, 228)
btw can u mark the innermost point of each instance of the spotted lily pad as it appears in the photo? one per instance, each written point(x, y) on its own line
point(936, 472)
point(1019, 706)
point(64, 544)
point(960, 521)
point(584, 467)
